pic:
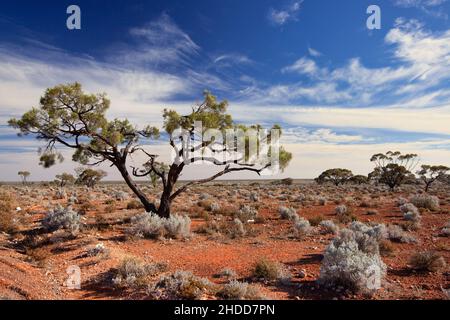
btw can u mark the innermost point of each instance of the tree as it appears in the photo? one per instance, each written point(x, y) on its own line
point(67, 116)
point(336, 176)
point(24, 175)
point(429, 174)
point(359, 179)
point(89, 177)
point(392, 168)
point(64, 178)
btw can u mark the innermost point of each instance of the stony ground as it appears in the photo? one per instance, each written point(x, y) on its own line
point(34, 261)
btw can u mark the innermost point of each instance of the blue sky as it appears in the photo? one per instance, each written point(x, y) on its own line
point(341, 91)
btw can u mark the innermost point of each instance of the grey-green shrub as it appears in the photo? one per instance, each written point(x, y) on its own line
point(62, 218)
point(426, 201)
point(350, 258)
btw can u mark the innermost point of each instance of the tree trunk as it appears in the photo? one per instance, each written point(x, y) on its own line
point(165, 203)
point(149, 207)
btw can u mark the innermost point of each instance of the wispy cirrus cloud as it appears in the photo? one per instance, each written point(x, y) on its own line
point(288, 13)
point(430, 7)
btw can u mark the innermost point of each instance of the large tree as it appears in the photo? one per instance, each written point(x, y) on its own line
point(69, 117)
point(64, 178)
point(89, 177)
point(337, 176)
point(392, 168)
point(429, 174)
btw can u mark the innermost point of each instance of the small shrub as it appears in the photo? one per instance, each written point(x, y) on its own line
point(98, 250)
point(237, 229)
point(182, 285)
point(427, 261)
point(254, 197)
point(341, 209)
point(120, 195)
point(288, 213)
point(328, 227)
point(227, 273)
point(246, 213)
point(426, 201)
point(343, 215)
point(236, 290)
point(62, 218)
point(178, 226)
point(149, 225)
point(270, 270)
point(132, 272)
point(134, 204)
point(386, 248)
point(302, 227)
point(396, 234)
point(8, 223)
point(350, 258)
point(316, 220)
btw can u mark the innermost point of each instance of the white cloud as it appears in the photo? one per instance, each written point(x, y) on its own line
point(430, 7)
point(289, 13)
point(314, 53)
point(159, 42)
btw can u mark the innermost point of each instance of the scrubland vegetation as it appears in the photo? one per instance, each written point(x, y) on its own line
point(230, 240)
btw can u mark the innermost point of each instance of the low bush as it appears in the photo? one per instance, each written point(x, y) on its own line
point(270, 270)
point(396, 234)
point(182, 285)
point(302, 227)
point(352, 260)
point(288, 213)
point(426, 201)
point(427, 261)
point(132, 272)
point(149, 225)
point(8, 223)
point(246, 213)
point(235, 290)
point(134, 204)
point(62, 218)
point(328, 227)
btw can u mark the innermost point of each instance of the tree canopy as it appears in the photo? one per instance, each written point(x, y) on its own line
point(336, 176)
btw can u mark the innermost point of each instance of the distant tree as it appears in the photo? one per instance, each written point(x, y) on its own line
point(359, 179)
point(67, 116)
point(336, 176)
point(24, 175)
point(64, 179)
point(89, 177)
point(429, 174)
point(445, 179)
point(392, 168)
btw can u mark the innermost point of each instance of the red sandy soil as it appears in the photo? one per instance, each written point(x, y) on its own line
point(42, 274)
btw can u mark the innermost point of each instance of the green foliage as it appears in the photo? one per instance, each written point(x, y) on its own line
point(89, 177)
point(64, 179)
point(392, 168)
point(429, 174)
point(359, 179)
point(336, 176)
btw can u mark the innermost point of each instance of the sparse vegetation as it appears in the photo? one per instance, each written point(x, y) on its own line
point(427, 261)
